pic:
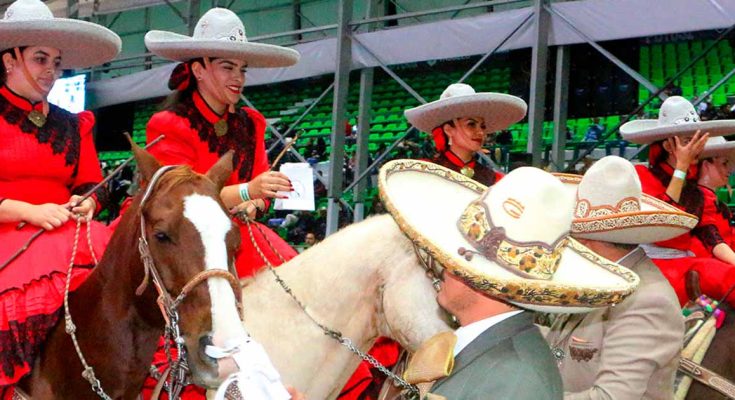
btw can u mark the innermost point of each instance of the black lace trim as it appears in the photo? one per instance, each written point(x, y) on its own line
point(724, 210)
point(61, 130)
point(103, 194)
point(19, 344)
point(240, 136)
point(709, 235)
point(483, 174)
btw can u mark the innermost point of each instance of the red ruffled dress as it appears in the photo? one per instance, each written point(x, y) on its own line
point(715, 276)
point(191, 139)
point(38, 166)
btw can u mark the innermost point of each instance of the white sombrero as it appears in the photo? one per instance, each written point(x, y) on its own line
point(611, 207)
point(219, 34)
point(460, 100)
point(676, 117)
point(82, 44)
point(718, 147)
point(509, 241)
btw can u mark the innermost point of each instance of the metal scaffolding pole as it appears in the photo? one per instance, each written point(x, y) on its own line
point(363, 128)
point(561, 97)
point(537, 98)
point(339, 109)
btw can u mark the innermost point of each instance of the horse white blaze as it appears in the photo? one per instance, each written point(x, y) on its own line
point(213, 224)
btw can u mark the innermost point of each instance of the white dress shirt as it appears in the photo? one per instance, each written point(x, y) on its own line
point(466, 334)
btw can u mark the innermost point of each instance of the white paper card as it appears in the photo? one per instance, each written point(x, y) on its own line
point(302, 178)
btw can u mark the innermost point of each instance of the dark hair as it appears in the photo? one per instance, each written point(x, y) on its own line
point(11, 51)
point(175, 98)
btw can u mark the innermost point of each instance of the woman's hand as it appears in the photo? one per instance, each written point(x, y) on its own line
point(267, 184)
point(687, 154)
point(246, 207)
point(47, 216)
point(85, 209)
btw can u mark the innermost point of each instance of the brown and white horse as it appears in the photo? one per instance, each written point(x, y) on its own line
point(188, 232)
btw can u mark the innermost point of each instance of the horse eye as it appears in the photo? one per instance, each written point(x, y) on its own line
point(162, 237)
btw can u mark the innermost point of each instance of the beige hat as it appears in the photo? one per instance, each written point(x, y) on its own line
point(460, 100)
point(718, 147)
point(677, 117)
point(219, 33)
point(611, 207)
point(510, 241)
point(82, 44)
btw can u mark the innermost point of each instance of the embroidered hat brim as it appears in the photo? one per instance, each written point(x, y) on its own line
point(174, 46)
point(655, 222)
point(497, 109)
point(646, 131)
point(426, 201)
point(82, 44)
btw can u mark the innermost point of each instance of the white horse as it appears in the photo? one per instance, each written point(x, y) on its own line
point(364, 281)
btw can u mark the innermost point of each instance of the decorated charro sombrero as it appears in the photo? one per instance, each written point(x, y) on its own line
point(499, 110)
point(611, 207)
point(718, 147)
point(677, 117)
point(82, 44)
point(510, 241)
point(219, 33)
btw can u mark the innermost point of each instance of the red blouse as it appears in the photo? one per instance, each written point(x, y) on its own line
point(47, 164)
point(191, 138)
point(486, 176)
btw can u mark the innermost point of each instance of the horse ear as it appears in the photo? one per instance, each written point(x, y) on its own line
point(147, 164)
point(221, 170)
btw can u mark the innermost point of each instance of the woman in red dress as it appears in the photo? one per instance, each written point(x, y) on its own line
point(460, 121)
point(48, 160)
point(201, 124)
point(675, 145)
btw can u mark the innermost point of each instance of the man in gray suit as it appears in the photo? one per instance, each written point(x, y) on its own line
point(630, 351)
point(500, 353)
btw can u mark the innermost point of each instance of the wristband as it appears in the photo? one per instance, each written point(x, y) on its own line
point(680, 174)
point(244, 194)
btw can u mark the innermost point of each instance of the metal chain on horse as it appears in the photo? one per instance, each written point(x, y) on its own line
point(334, 334)
point(69, 326)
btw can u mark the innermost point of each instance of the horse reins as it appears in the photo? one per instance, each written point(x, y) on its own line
point(167, 303)
point(332, 333)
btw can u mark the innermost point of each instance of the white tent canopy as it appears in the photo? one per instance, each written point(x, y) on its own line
point(601, 20)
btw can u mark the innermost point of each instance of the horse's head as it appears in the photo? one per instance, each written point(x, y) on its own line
point(409, 304)
point(188, 232)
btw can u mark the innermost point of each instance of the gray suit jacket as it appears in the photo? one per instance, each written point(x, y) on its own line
point(510, 360)
point(630, 351)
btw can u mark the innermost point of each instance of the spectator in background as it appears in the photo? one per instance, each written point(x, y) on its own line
point(595, 131)
point(310, 239)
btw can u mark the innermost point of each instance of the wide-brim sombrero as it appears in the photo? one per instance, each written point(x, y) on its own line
point(646, 131)
point(427, 200)
point(177, 47)
point(656, 220)
point(82, 44)
point(499, 111)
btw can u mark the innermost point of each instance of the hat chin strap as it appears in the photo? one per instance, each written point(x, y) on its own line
point(31, 81)
point(207, 67)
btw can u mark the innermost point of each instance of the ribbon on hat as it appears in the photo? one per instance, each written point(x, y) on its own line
point(530, 260)
point(257, 378)
point(180, 77)
point(440, 138)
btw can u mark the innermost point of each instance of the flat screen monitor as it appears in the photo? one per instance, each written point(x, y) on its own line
point(68, 93)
